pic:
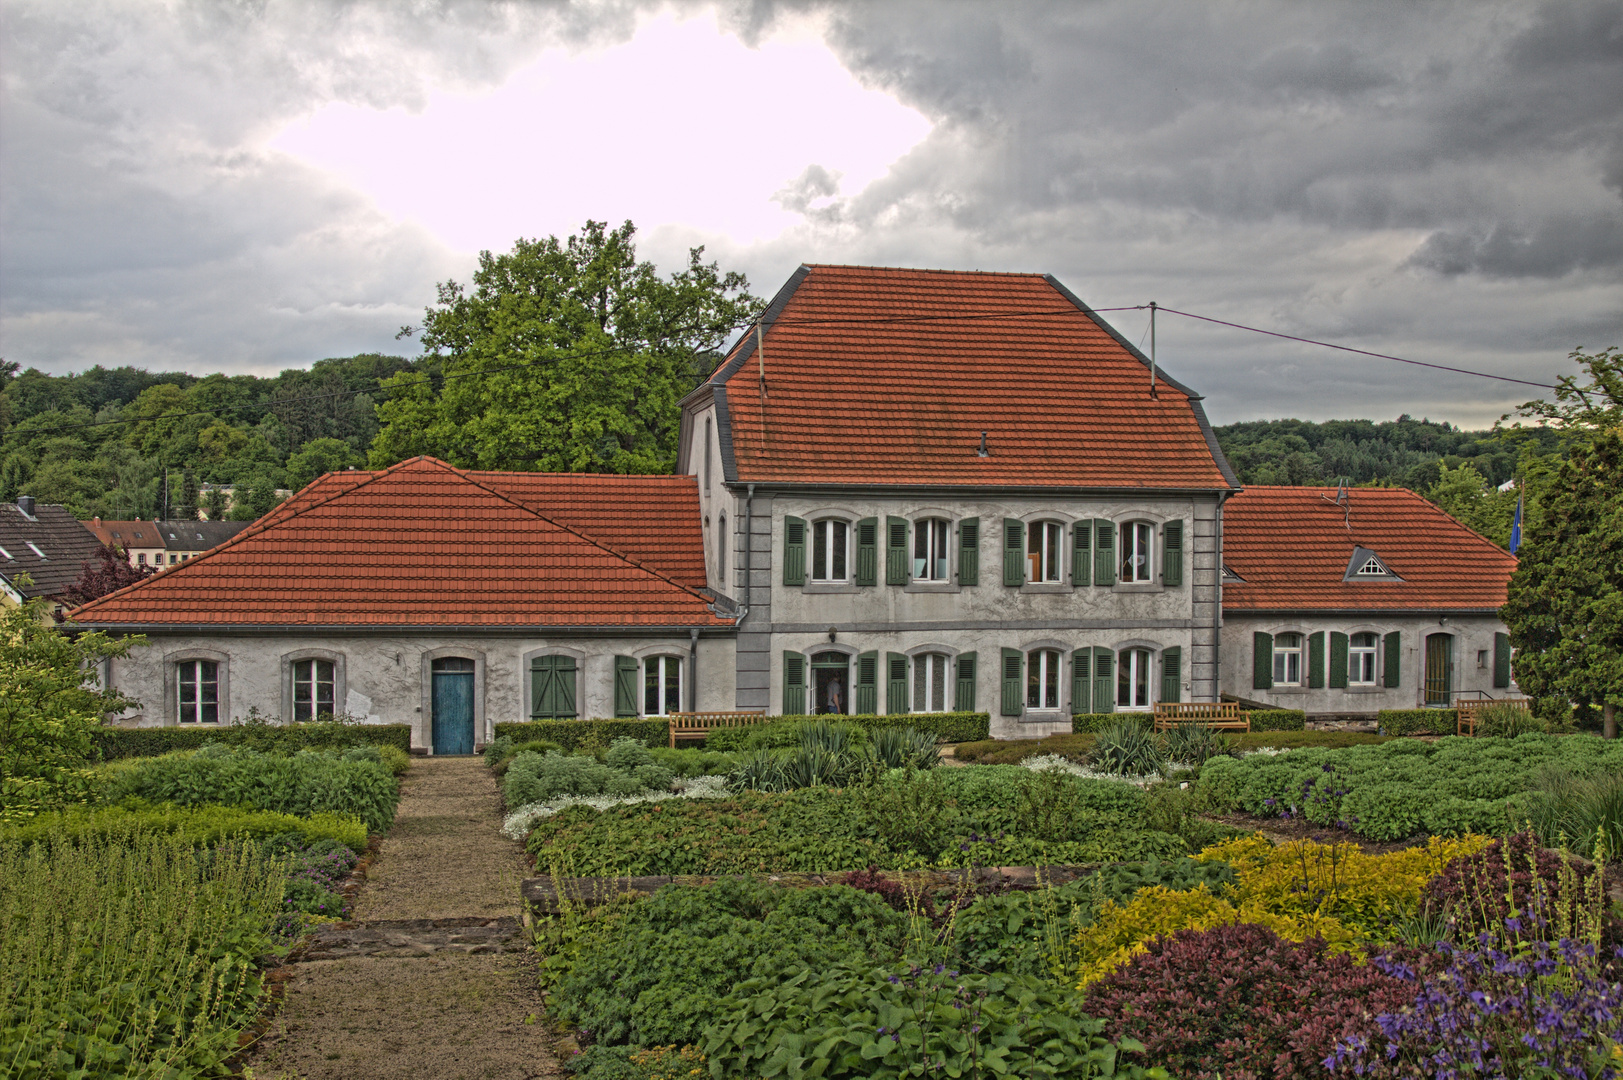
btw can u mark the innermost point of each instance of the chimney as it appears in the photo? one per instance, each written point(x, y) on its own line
point(25, 503)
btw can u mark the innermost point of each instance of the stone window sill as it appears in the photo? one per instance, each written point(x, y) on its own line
point(931, 587)
point(830, 587)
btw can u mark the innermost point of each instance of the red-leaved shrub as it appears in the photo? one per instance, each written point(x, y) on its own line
point(872, 881)
point(1242, 1003)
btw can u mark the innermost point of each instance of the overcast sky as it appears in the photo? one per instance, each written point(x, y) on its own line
point(253, 186)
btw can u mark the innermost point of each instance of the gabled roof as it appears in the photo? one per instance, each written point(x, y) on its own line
point(176, 535)
point(51, 548)
point(1294, 549)
point(419, 544)
point(879, 376)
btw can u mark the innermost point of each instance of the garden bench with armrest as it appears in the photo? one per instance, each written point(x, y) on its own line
point(1466, 712)
point(697, 725)
point(1214, 714)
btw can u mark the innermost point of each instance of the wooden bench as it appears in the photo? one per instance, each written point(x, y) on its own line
point(1466, 711)
point(1214, 714)
point(697, 725)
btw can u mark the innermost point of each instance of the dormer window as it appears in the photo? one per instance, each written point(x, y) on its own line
point(1230, 575)
point(1365, 565)
point(34, 548)
point(9, 556)
point(1372, 568)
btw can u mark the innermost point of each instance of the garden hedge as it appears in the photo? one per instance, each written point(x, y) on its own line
point(116, 743)
point(951, 727)
point(1418, 721)
point(203, 826)
point(1278, 720)
point(570, 734)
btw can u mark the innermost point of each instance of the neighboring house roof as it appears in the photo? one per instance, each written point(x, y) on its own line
point(880, 376)
point(49, 546)
point(172, 535)
point(1297, 549)
point(420, 544)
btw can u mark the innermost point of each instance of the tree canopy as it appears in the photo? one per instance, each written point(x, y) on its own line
point(566, 356)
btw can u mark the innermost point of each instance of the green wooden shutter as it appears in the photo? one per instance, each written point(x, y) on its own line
point(1172, 674)
point(1104, 553)
point(794, 551)
point(1262, 661)
point(969, 551)
point(1315, 661)
point(1172, 553)
point(1012, 696)
point(896, 683)
point(895, 551)
point(1393, 660)
point(1501, 661)
point(794, 684)
point(541, 694)
point(867, 552)
point(866, 702)
point(964, 698)
point(1014, 553)
point(1081, 554)
point(1104, 680)
point(1081, 681)
point(625, 686)
point(1338, 660)
point(564, 688)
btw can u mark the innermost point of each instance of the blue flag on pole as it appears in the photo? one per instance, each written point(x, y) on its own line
point(1516, 527)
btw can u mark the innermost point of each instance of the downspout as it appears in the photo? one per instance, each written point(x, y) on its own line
point(693, 670)
point(1217, 607)
point(749, 543)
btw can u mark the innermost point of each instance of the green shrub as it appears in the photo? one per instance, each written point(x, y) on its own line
point(116, 743)
point(1092, 723)
point(1583, 813)
point(1013, 751)
point(1278, 720)
point(587, 734)
point(1192, 744)
point(947, 727)
point(1418, 721)
point(628, 768)
point(305, 783)
point(200, 826)
point(690, 762)
point(1503, 720)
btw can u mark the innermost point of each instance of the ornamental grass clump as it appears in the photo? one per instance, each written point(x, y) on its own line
point(1127, 748)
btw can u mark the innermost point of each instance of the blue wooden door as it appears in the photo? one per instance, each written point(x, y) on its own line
point(453, 708)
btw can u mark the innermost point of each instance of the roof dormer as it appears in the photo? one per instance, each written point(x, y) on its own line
point(1365, 565)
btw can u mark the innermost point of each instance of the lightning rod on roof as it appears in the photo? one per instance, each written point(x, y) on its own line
point(1153, 394)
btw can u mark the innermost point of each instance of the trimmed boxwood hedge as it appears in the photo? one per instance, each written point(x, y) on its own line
point(1278, 720)
point(570, 734)
point(1418, 721)
point(1093, 723)
point(952, 727)
point(116, 743)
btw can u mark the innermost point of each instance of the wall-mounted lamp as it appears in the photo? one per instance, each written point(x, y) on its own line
point(831, 635)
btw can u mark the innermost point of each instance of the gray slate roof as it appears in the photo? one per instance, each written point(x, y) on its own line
point(51, 547)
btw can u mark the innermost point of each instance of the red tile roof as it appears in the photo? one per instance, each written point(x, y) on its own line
point(889, 376)
point(1292, 547)
point(422, 543)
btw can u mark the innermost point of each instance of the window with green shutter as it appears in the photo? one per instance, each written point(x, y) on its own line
point(1104, 553)
point(552, 688)
point(1014, 553)
point(1315, 661)
point(1501, 661)
point(867, 552)
point(1081, 554)
point(964, 698)
point(1262, 661)
point(794, 684)
point(794, 551)
point(866, 702)
point(1338, 660)
point(1081, 681)
point(625, 686)
point(1392, 662)
point(895, 683)
point(1172, 674)
point(1012, 690)
point(969, 551)
point(895, 551)
point(1172, 553)
point(1104, 680)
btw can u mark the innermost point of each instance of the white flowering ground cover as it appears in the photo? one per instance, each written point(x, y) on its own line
point(517, 825)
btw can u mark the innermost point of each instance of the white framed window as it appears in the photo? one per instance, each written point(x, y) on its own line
point(831, 541)
point(1043, 544)
point(930, 550)
point(1133, 679)
point(1361, 660)
point(930, 683)
point(198, 700)
point(1372, 568)
point(1137, 538)
point(140, 558)
point(1288, 660)
point(312, 688)
point(1042, 679)
point(661, 685)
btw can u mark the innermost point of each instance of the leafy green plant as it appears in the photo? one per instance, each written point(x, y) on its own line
point(1506, 721)
point(1418, 721)
point(628, 768)
point(906, 747)
point(586, 734)
point(1193, 744)
point(200, 826)
point(1581, 812)
point(1128, 749)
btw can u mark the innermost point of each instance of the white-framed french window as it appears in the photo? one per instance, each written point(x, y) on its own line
point(661, 685)
point(1137, 540)
point(1044, 545)
point(831, 550)
point(313, 688)
point(1287, 659)
point(1042, 679)
point(1361, 652)
point(1133, 678)
point(931, 539)
point(930, 682)
point(197, 698)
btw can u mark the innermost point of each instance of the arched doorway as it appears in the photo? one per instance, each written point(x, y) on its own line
point(1439, 669)
point(452, 705)
point(831, 683)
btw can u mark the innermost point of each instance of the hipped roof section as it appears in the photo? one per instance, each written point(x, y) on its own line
point(888, 377)
point(422, 543)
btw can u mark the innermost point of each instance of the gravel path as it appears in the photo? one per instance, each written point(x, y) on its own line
point(432, 980)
